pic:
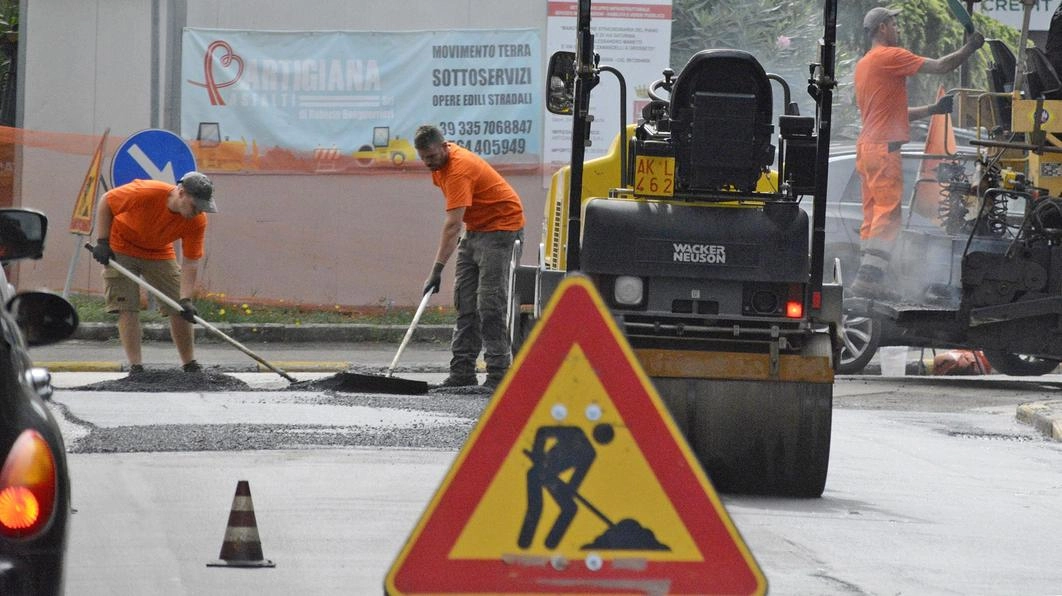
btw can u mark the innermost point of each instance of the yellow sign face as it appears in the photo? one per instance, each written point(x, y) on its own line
point(580, 480)
point(654, 176)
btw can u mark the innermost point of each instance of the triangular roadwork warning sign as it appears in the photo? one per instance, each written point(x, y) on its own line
point(81, 220)
point(575, 481)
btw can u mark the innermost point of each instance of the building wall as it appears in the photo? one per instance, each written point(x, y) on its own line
point(316, 239)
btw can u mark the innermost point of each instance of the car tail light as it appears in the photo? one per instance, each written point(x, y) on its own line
point(794, 304)
point(27, 486)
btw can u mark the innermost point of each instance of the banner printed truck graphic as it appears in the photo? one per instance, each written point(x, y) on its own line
point(328, 101)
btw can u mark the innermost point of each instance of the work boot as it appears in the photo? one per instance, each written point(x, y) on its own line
point(459, 380)
point(136, 369)
point(192, 367)
point(943, 294)
point(493, 380)
point(870, 283)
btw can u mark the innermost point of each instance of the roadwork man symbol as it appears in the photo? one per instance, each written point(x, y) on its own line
point(560, 450)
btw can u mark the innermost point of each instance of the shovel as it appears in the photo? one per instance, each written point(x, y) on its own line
point(389, 384)
point(174, 305)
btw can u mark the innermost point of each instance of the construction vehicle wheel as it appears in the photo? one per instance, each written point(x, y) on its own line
point(756, 437)
point(398, 159)
point(521, 292)
point(364, 161)
point(860, 335)
point(520, 331)
point(1020, 365)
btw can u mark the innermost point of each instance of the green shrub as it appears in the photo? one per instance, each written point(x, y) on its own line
point(216, 309)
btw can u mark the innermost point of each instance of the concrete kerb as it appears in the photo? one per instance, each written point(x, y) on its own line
point(289, 366)
point(271, 333)
point(1045, 416)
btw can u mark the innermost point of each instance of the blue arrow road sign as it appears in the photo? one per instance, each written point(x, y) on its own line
point(152, 154)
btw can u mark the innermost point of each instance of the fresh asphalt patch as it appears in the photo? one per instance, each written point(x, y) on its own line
point(467, 390)
point(441, 419)
point(263, 437)
point(176, 381)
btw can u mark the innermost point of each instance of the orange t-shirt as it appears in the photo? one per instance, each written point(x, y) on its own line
point(881, 93)
point(144, 227)
point(491, 204)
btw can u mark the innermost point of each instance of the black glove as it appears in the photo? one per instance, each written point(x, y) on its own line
point(102, 251)
point(188, 311)
point(431, 285)
point(943, 105)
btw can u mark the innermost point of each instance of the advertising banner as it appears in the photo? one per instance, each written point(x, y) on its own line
point(634, 36)
point(1011, 12)
point(343, 101)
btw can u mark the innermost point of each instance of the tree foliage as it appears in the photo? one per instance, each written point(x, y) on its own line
point(781, 34)
point(8, 60)
point(784, 36)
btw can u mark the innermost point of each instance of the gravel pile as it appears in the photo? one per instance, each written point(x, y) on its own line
point(159, 381)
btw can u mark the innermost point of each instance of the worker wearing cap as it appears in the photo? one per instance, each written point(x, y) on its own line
point(479, 200)
point(137, 224)
point(881, 94)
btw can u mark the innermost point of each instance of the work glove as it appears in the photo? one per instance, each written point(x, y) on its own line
point(188, 310)
point(431, 285)
point(943, 105)
point(102, 251)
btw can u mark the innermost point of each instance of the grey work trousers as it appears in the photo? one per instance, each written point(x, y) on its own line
point(481, 298)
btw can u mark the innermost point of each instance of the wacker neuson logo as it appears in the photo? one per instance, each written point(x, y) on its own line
point(685, 252)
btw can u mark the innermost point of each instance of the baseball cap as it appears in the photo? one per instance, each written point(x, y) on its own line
point(877, 16)
point(201, 189)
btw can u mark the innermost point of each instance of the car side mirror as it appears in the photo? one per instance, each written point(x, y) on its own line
point(560, 83)
point(22, 234)
point(44, 318)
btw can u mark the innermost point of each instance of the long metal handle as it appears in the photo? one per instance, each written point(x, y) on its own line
point(175, 305)
point(409, 332)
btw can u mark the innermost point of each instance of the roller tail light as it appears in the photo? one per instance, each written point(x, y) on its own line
point(794, 304)
point(27, 487)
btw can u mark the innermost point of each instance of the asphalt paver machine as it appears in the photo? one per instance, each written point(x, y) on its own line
point(988, 275)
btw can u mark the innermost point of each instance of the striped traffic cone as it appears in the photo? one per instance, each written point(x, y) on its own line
point(242, 547)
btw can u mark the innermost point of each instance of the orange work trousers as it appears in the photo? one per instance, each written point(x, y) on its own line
point(881, 172)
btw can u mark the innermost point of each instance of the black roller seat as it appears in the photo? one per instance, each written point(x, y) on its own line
point(722, 122)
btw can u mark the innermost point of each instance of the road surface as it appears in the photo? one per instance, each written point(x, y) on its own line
point(934, 488)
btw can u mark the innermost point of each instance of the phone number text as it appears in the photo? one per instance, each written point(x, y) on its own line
point(485, 127)
point(493, 146)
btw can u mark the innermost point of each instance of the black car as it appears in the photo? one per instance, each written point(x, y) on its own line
point(34, 481)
